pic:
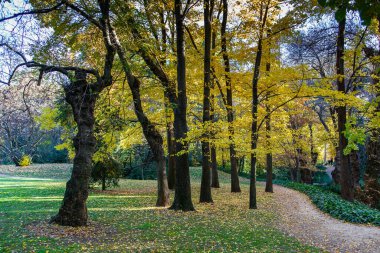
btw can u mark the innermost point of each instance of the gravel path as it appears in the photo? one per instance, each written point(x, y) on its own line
point(300, 218)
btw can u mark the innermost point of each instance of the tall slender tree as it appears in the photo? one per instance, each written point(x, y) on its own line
point(346, 181)
point(182, 198)
point(235, 185)
point(205, 194)
point(264, 7)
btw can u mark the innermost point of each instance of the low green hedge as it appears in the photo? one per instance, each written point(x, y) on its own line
point(334, 205)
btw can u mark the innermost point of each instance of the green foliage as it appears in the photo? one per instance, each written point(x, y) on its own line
point(368, 9)
point(138, 162)
point(341, 7)
point(355, 135)
point(320, 177)
point(334, 205)
point(47, 119)
point(25, 160)
point(107, 172)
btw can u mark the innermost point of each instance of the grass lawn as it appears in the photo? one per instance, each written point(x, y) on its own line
point(132, 222)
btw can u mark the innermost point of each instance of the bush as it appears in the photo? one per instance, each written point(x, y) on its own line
point(321, 177)
point(25, 161)
point(334, 205)
point(138, 162)
point(106, 173)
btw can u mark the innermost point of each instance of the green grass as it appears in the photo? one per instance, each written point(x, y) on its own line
point(51, 170)
point(226, 226)
point(331, 203)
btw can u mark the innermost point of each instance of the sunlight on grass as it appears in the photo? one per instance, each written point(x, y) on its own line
point(139, 226)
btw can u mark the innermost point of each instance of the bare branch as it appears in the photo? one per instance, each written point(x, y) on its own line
point(32, 12)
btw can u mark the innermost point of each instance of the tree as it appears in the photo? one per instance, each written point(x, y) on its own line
point(264, 7)
point(235, 186)
point(182, 198)
point(20, 133)
point(205, 195)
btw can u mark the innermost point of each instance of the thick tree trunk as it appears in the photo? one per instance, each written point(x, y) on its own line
point(269, 159)
point(205, 193)
point(214, 165)
point(214, 172)
point(235, 184)
point(252, 183)
point(346, 174)
point(73, 211)
point(182, 199)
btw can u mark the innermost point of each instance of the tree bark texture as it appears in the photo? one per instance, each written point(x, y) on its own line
point(182, 198)
point(269, 159)
point(346, 181)
point(205, 193)
point(73, 211)
point(235, 184)
point(255, 103)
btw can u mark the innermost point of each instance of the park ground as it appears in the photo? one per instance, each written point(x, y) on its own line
point(124, 219)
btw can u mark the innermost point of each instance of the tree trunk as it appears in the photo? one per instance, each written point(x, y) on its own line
point(155, 142)
point(205, 194)
point(235, 184)
point(214, 165)
point(214, 173)
point(151, 134)
point(73, 211)
point(169, 94)
point(255, 103)
point(372, 173)
point(171, 144)
point(269, 159)
point(182, 199)
point(298, 166)
point(104, 178)
point(346, 174)
point(336, 173)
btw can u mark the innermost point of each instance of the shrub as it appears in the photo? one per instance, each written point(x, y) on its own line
point(334, 205)
point(106, 173)
point(25, 161)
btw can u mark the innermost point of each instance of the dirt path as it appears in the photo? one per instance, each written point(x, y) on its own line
point(298, 217)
